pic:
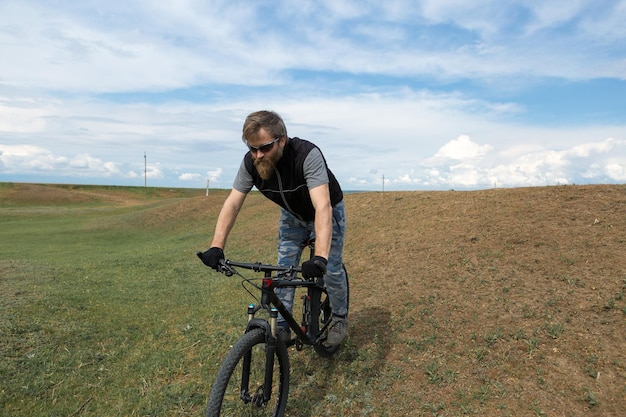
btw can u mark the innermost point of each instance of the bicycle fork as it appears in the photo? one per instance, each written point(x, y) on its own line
point(263, 393)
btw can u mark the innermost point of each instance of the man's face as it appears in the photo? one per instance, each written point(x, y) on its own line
point(266, 152)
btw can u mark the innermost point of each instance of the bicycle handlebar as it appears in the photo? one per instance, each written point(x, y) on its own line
point(226, 267)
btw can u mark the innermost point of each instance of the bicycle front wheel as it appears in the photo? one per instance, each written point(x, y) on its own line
point(238, 388)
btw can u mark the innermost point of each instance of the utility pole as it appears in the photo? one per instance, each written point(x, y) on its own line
point(145, 170)
point(383, 183)
point(207, 187)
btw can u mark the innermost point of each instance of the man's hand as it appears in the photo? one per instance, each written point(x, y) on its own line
point(314, 268)
point(212, 257)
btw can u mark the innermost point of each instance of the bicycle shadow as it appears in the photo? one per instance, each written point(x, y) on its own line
point(361, 357)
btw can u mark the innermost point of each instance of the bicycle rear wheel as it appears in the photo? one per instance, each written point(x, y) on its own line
point(321, 315)
point(228, 398)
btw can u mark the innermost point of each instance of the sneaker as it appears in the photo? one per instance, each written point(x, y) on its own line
point(283, 333)
point(337, 332)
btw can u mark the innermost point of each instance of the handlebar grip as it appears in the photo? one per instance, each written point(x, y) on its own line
point(223, 267)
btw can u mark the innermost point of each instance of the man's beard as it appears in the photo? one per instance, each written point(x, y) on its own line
point(265, 168)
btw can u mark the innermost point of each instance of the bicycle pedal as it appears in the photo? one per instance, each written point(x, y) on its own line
point(320, 340)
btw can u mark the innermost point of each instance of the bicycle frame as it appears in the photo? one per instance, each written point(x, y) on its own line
point(269, 298)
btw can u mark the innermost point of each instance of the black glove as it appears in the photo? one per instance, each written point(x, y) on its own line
point(314, 268)
point(212, 257)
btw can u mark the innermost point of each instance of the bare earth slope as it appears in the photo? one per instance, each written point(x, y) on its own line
point(504, 299)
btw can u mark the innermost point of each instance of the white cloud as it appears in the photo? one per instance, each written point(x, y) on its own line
point(213, 176)
point(587, 149)
point(615, 169)
point(593, 161)
point(190, 177)
point(462, 148)
point(30, 159)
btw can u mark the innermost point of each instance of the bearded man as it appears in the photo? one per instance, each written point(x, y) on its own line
point(293, 173)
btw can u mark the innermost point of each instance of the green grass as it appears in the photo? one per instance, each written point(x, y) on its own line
point(106, 311)
point(101, 317)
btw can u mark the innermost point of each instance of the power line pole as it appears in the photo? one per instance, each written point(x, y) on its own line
point(145, 170)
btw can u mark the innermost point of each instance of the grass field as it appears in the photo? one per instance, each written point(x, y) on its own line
point(504, 302)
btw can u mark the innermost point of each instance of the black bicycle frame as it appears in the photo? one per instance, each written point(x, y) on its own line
point(269, 298)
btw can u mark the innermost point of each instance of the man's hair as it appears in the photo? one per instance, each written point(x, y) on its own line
point(268, 120)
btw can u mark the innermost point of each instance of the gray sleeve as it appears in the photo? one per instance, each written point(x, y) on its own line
point(243, 180)
point(315, 171)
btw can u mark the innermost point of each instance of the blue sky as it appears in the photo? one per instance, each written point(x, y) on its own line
point(427, 94)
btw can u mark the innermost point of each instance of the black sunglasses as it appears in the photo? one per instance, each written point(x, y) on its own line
point(265, 148)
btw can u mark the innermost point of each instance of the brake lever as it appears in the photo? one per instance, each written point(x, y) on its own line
point(226, 269)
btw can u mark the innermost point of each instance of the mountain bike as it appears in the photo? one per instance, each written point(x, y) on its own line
point(253, 379)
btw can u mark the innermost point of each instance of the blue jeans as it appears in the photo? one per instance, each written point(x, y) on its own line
point(292, 232)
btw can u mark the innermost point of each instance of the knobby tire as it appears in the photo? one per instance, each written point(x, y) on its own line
point(225, 398)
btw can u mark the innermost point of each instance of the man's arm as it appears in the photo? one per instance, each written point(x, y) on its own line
point(226, 219)
point(320, 196)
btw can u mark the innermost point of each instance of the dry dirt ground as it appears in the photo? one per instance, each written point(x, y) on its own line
point(512, 297)
point(493, 302)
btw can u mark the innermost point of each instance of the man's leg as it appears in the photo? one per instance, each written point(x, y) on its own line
point(291, 233)
point(335, 279)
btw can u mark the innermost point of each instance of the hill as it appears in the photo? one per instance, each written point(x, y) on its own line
point(502, 302)
point(506, 299)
